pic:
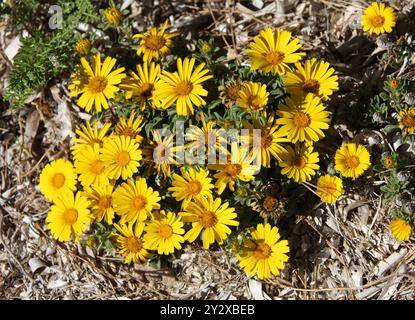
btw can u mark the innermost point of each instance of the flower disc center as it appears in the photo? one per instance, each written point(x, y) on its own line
point(262, 251)
point(71, 215)
point(311, 86)
point(194, 187)
point(98, 84)
point(58, 180)
point(183, 88)
point(154, 42)
point(139, 203)
point(165, 231)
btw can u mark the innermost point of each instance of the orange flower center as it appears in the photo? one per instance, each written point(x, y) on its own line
point(194, 187)
point(232, 91)
point(301, 119)
point(311, 86)
point(183, 88)
point(394, 84)
point(228, 124)
point(83, 46)
point(270, 203)
point(97, 167)
point(154, 42)
point(133, 244)
point(113, 15)
point(145, 91)
point(378, 21)
point(58, 180)
point(139, 203)
point(92, 141)
point(104, 202)
point(208, 219)
point(97, 84)
point(160, 153)
point(299, 161)
point(254, 102)
point(206, 47)
point(389, 162)
point(262, 251)
point(408, 120)
point(165, 231)
point(329, 187)
point(352, 162)
point(233, 169)
point(266, 139)
point(70, 216)
point(123, 158)
point(274, 57)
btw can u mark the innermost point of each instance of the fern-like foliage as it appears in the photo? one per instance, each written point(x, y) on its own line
point(47, 53)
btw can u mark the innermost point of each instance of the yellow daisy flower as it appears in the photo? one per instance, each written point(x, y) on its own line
point(134, 200)
point(155, 44)
point(271, 138)
point(351, 160)
point(253, 96)
point(101, 84)
point(56, 178)
point(240, 166)
point(89, 136)
point(83, 46)
point(378, 18)
point(90, 167)
point(69, 216)
point(329, 188)
point(130, 128)
point(303, 122)
point(407, 121)
point(100, 197)
point(120, 155)
point(212, 217)
point(400, 229)
point(130, 243)
point(229, 92)
point(140, 86)
point(164, 233)
point(161, 153)
point(264, 254)
point(191, 185)
point(113, 16)
point(299, 163)
point(183, 87)
point(272, 51)
point(315, 77)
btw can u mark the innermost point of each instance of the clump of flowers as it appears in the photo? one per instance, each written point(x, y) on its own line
point(150, 187)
